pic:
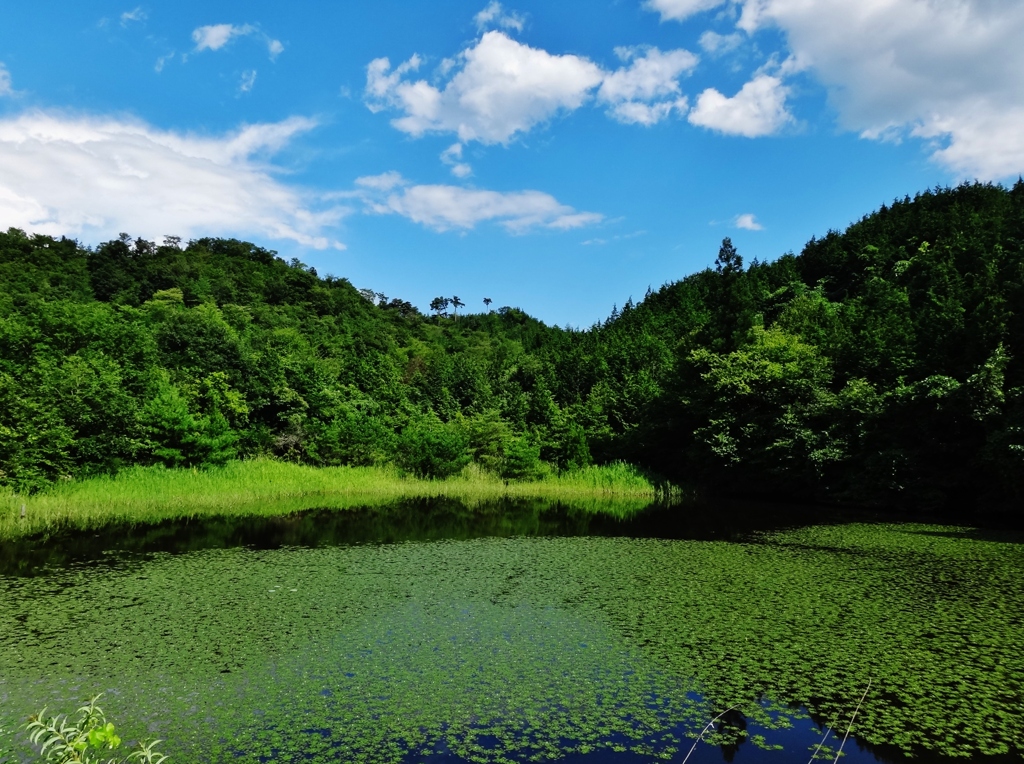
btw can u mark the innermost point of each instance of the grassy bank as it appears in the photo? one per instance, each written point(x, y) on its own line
point(266, 487)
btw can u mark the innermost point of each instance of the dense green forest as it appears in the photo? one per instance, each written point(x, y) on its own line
point(882, 365)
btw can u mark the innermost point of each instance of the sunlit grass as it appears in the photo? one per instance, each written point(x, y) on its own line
point(268, 487)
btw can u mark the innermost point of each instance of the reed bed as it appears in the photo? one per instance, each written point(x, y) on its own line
point(143, 495)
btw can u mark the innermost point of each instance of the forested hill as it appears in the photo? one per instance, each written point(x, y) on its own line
point(883, 365)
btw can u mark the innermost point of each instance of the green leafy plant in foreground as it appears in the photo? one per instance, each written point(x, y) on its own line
point(84, 740)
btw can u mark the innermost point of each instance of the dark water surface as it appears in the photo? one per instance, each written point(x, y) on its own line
point(525, 631)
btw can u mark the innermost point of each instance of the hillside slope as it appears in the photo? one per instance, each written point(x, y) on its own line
point(883, 364)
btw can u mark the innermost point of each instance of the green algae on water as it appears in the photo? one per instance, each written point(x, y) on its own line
point(526, 648)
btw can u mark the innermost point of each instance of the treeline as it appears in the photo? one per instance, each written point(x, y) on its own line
point(884, 364)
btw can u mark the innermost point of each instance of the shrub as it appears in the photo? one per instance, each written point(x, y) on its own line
point(522, 460)
point(430, 449)
point(82, 741)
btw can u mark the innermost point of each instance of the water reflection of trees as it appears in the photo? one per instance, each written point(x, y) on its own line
point(414, 519)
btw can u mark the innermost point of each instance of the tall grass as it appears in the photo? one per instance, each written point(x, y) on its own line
point(267, 487)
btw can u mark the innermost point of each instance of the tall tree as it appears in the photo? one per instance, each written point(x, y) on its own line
point(456, 304)
point(440, 305)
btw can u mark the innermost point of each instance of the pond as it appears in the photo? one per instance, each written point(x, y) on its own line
point(525, 632)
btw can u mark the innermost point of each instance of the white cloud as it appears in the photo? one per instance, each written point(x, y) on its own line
point(94, 177)
point(503, 88)
point(647, 90)
point(679, 10)
point(716, 44)
point(452, 156)
point(443, 207)
point(247, 82)
point(383, 182)
point(748, 222)
point(758, 109)
point(136, 14)
point(500, 88)
point(216, 36)
point(947, 71)
point(6, 87)
point(382, 82)
point(162, 62)
point(983, 141)
point(638, 113)
point(494, 16)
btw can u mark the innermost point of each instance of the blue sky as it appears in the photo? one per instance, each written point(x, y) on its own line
point(560, 157)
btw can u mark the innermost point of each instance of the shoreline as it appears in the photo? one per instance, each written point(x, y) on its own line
point(266, 487)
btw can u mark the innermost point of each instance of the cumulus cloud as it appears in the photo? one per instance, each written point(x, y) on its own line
point(647, 90)
point(382, 82)
point(747, 222)
point(274, 47)
point(495, 16)
point(94, 177)
point(983, 141)
point(758, 109)
point(500, 88)
point(444, 207)
point(6, 87)
point(947, 71)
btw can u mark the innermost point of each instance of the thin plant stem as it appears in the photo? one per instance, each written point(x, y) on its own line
point(850, 727)
point(708, 726)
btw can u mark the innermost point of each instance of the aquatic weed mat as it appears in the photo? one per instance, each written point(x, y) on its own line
point(526, 649)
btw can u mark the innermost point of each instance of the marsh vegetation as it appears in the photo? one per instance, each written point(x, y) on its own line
point(268, 487)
